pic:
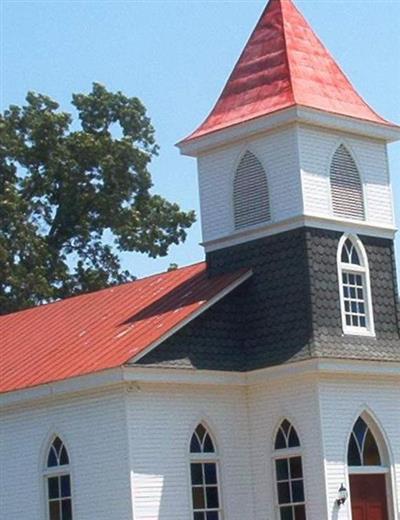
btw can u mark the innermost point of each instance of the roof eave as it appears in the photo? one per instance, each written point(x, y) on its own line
point(195, 147)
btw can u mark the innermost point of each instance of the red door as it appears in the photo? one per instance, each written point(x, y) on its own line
point(368, 497)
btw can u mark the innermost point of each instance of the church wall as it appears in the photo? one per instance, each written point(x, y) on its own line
point(94, 431)
point(341, 402)
point(161, 422)
point(316, 148)
point(278, 154)
point(269, 404)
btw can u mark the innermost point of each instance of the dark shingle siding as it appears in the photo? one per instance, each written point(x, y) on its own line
point(289, 310)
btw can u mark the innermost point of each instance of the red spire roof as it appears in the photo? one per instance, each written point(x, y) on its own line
point(284, 64)
point(103, 329)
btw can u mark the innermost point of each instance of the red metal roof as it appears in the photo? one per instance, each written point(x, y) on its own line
point(284, 64)
point(104, 329)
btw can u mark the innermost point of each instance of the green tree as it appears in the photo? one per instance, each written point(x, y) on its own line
point(71, 198)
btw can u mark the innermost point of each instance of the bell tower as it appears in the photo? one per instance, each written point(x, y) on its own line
point(294, 183)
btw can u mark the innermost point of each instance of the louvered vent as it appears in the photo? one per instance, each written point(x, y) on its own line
point(250, 193)
point(346, 187)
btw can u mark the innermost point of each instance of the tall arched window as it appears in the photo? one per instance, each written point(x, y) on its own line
point(346, 186)
point(355, 293)
point(206, 499)
point(289, 473)
point(58, 482)
point(250, 193)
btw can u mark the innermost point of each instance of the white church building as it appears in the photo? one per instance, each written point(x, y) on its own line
point(260, 384)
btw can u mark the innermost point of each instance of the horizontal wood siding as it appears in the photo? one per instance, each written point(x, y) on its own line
point(161, 422)
point(341, 402)
point(278, 155)
point(94, 431)
point(316, 148)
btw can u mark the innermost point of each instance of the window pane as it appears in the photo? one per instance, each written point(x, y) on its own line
point(354, 257)
point(297, 491)
point(293, 439)
point(212, 497)
point(198, 498)
point(197, 474)
point(282, 470)
point(283, 493)
point(280, 441)
point(64, 456)
point(200, 430)
point(54, 510)
point(296, 470)
point(300, 512)
point(210, 472)
point(353, 453)
point(198, 516)
point(285, 426)
point(213, 515)
point(208, 444)
point(194, 445)
point(65, 486)
point(53, 487)
point(287, 513)
point(371, 453)
point(359, 430)
point(66, 510)
point(57, 444)
point(52, 458)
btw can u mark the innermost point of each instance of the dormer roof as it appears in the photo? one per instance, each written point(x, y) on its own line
point(284, 64)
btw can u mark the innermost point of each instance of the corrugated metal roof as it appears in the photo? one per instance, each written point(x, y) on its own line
point(284, 64)
point(104, 329)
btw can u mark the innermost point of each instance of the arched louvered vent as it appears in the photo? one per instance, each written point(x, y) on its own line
point(346, 187)
point(250, 193)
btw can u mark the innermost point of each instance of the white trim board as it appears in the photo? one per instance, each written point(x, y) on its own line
point(330, 223)
point(295, 114)
point(134, 375)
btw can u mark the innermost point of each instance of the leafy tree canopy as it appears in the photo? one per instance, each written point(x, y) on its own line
point(71, 199)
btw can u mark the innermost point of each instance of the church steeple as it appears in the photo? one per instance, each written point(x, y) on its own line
point(290, 142)
point(283, 65)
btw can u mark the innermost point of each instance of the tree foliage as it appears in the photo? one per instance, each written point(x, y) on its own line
point(75, 193)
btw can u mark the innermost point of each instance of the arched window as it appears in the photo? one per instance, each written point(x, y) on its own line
point(206, 499)
point(58, 482)
point(346, 186)
point(289, 473)
point(355, 293)
point(250, 193)
point(363, 449)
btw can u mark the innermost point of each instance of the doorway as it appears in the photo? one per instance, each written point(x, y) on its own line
point(368, 497)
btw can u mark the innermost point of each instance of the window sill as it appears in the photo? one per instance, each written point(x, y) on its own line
point(358, 332)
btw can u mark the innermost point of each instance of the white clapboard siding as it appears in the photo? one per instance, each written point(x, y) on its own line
point(250, 193)
point(346, 186)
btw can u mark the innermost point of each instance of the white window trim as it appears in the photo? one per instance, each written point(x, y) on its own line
point(367, 470)
point(362, 269)
point(56, 471)
point(203, 458)
point(286, 453)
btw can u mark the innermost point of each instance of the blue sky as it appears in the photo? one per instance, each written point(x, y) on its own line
point(176, 56)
